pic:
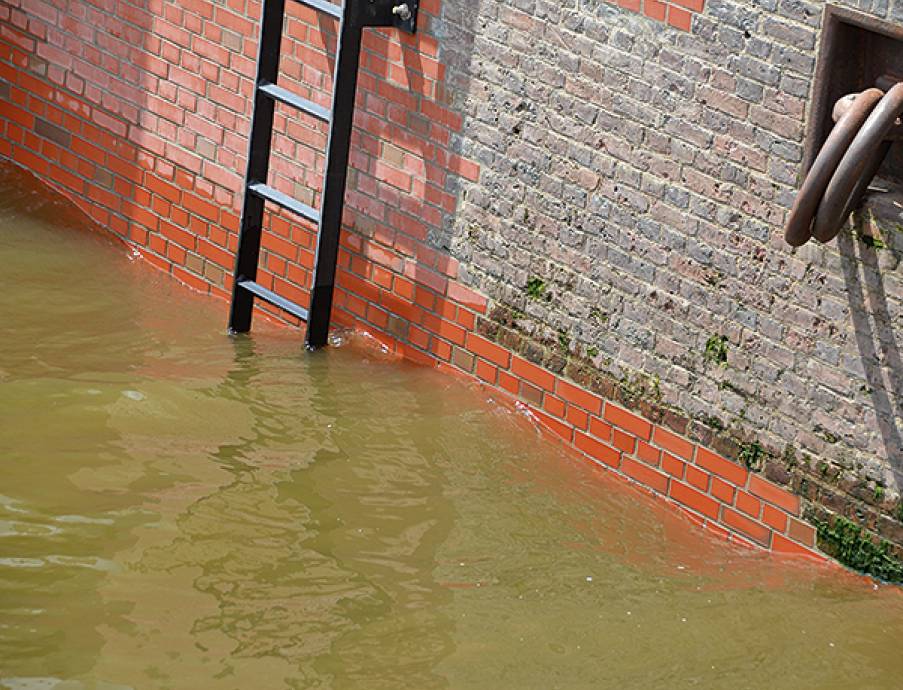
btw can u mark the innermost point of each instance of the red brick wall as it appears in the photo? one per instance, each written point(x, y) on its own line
point(139, 111)
point(678, 13)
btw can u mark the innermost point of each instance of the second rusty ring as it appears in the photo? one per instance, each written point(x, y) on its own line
point(859, 164)
point(798, 229)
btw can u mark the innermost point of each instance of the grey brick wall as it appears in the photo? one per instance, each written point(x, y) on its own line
point(634, 182)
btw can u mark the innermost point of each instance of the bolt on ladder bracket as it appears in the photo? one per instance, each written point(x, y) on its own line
point(402, 14)
point(353, 16)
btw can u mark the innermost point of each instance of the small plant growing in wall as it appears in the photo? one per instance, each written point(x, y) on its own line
point(870, 240)
point(564, 341)
point(598, 315)
point(873, 242)
point(536, 288)
point(752, 455)
point(714, 422)
point(789, 457)
point(828, 436)
point(716, 350)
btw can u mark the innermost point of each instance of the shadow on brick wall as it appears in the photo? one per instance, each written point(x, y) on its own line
point(126, 107)
point(405, 168)
point(426, 92)
point(140, 112)
point(879, 351)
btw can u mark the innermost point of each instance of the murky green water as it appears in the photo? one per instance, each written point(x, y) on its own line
point(181, 510)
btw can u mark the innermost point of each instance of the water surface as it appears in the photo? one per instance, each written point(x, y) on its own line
point(180, 509)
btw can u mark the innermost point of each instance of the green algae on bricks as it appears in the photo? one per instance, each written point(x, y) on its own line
point(598, 315)
point(873, 242)
point(845, 541)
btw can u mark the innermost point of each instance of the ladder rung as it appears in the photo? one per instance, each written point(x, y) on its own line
point(258, 290)
point(324, 6)
point(266, 192)
point(285, 96)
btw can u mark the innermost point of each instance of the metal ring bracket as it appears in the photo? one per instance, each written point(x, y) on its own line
point(856, 109)
point(861, 160)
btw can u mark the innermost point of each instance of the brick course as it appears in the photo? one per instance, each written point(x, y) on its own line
point(640, 171)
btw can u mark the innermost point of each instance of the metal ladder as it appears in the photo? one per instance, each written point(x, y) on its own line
point(354, 16)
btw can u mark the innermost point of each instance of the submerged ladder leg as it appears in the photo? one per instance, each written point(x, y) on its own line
point(248, 255)
point(334, 180)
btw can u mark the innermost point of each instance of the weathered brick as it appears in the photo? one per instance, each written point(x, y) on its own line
point(801, 532)
point(672, 442)
point(721, 490)
point(673, 466)
point(774, 518)
point(578, 396)
point(533, 373)
point(54, 133)
point(697, 478)
point(597, 450)
point(488, 350)
point(774, 494)
point(752, 529)
point(781, 544)
point(694, 499)
point(723, 468)
point(748, 504)
point(628, 421)
point(645, 475)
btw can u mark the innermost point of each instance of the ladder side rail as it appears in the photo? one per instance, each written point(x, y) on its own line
point(335, 176)
point(248, 254)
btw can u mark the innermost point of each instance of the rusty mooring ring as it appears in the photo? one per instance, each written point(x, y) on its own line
point(798, 229)
point(842, 105)
point(863, 156)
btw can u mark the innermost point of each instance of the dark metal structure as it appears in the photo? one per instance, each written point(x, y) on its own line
point(353, 16)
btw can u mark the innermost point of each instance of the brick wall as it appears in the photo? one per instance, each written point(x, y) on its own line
point(627, 230)
point(564, 200)
point(678, 13)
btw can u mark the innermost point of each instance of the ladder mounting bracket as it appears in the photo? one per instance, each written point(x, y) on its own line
point(401, 14)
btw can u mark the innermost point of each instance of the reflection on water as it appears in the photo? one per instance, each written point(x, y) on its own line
point(179, 509)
